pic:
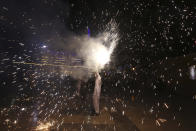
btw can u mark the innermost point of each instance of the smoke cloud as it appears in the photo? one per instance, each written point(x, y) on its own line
point(95, 51)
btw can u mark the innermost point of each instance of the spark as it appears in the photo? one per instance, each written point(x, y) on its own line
point(193, 72)
point(44, 126)
point(159, 121)
point(22, 109)
point(166, 105)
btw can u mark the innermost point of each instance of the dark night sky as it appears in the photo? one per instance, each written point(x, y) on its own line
point(149, 30)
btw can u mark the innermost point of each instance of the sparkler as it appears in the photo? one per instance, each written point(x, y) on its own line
point(45, 64)
point(95, 51)
point(101, 54)
point(98, 50)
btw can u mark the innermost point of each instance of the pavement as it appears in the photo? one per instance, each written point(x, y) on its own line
point(73, 116)
point(115, 114)
point(163, 104)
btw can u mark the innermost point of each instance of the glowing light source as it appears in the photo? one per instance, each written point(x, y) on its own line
point(101, 56)
point(44, 46)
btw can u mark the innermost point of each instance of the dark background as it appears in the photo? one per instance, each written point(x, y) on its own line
point(150, 32)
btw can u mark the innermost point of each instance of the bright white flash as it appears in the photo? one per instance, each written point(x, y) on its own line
point(101, 56)
point(98, 50)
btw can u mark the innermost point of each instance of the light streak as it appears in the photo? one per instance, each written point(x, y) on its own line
point(44, 126)
point(166, 106)
point(45, 64)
